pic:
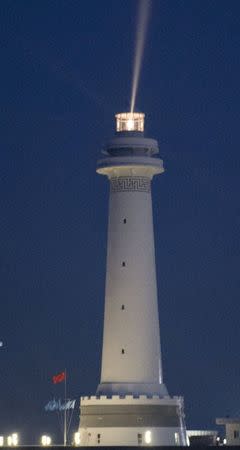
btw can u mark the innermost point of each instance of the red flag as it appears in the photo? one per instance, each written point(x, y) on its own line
point(59, 378)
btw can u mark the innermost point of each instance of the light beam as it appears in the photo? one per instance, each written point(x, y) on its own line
point(141, 32)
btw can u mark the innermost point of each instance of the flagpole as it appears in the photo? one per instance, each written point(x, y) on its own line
point(65, 411)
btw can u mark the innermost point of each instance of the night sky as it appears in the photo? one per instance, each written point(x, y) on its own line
point(66, 69)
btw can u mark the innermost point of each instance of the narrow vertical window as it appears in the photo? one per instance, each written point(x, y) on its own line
point(124, 220)
point(236, 434)
point(123, 351)
point(123, 264)
point(123, 307)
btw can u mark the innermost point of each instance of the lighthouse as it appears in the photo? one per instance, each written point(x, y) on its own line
point(132, 406)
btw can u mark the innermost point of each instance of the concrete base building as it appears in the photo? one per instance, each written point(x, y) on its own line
point(232, 427)
point(132, 406)
point(132, 421)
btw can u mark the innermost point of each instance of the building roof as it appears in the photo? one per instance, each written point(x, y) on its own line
point(225, 420)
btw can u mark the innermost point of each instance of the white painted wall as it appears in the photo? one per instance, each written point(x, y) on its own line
point(136, 328)
point(129, 436)
point(113, 436)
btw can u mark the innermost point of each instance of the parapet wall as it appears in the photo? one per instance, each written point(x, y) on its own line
point(131, 400)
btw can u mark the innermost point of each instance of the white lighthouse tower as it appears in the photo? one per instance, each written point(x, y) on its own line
point(132, 406)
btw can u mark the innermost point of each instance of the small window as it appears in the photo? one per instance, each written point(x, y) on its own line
point(236, 434)
point(139, 436)
point(123, 351)
point(123, 307)
point(124, 220)
point(123, 264)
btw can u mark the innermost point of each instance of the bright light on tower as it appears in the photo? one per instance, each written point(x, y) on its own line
point(14, 439)
point(1, 441)
point(130, 121)
point(130, 124)
point(77, 438)
point(46, 440)
point(148, 437)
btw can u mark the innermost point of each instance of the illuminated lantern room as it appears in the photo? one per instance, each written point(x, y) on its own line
point(130, 121)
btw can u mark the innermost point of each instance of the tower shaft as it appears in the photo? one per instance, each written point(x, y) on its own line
point(131, 361)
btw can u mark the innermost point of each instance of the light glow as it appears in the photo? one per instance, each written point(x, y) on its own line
point(130, 122)
point(77, 438)
point(1, 441)
point(148, 437)
point(14, 439)
point(46, 440)
point(176, 435)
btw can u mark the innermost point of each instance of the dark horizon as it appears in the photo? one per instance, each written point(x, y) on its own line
point(66, 70)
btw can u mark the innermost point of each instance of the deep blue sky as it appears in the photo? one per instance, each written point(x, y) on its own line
point(66, 69)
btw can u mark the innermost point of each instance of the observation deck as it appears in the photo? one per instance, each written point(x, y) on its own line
point(129, 147)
